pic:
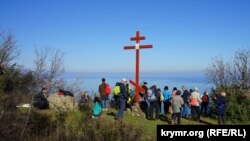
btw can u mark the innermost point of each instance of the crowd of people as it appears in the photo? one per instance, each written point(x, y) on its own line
point(181, 103)
point(177, 103)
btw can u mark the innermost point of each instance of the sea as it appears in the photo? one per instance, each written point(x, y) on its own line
point(91, 81)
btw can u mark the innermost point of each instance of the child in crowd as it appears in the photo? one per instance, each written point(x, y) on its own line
point(97, 109)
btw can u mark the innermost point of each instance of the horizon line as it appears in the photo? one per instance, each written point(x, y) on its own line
point(145, 72)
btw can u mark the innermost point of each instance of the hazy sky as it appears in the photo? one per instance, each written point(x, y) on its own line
point(185, 34)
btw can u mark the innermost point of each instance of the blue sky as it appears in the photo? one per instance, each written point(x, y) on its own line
point(185, 34)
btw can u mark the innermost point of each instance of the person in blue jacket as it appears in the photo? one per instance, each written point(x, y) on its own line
point(97, 109)
point(166, 100)
point(221, 108)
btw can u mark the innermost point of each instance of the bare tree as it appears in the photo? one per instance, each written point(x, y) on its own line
point(235, 73)
point(56, 65)
point(41, 55)
point(8, 49)
point(49, 63)
point(240, 71)
point(217, 71)
point(8, 52)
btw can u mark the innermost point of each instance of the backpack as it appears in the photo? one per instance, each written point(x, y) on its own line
point(116, 90)
point(68, 93)
point(152, 97)
point(129, 90)
point(161, 97)
point(158, 94)
point(107, 89)
point(176, 104)
point(205, 99)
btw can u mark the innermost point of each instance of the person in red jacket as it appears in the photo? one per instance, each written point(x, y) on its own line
point(204, 104)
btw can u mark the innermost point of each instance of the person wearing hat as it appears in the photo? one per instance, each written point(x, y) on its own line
point(121, 100)
point(221, 108)
point(195, 104)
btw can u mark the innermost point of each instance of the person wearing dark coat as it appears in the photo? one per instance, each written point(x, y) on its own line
point(144, 103)
point(40, 100)
point(185, 106)
point(121, 100)
point(221, 108)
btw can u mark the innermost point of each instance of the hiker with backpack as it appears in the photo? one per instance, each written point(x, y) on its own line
point(153, 100)
point(204, 104)
point(116, 94)
point(104, 95)
point(122, 97)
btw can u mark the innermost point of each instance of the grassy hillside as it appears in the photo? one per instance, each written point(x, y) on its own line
point(50, 125)
point(137, 126)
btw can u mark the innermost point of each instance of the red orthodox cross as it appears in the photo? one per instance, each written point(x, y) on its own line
point(137, 47)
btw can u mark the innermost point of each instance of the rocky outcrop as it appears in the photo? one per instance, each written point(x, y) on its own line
point(61, 102)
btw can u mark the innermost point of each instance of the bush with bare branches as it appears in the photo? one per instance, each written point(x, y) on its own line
point(233, 78)
point(235, 73)
point(49, 64)
point(8, 49)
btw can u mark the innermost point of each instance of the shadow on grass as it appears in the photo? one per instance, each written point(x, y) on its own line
point(111, 114)
point(166, 118)
point(203, 120)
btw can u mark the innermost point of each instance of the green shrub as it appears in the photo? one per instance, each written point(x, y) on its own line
point(50, 125)
point(238, 105)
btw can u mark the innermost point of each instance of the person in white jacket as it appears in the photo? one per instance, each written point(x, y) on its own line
point(194, 102)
